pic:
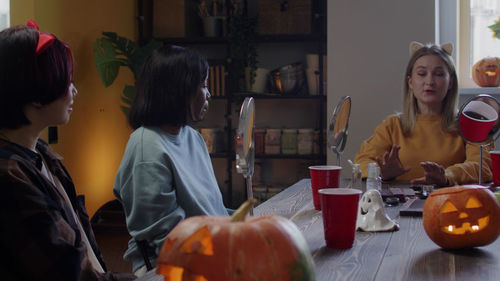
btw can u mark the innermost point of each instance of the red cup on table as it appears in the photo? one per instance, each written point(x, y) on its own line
point(323, 176)
point(340, 211)
point(495, 166)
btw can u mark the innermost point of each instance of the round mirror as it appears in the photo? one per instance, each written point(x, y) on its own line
point(478, 120)
point(478, 123)
point(337, 130)
point(244, 139)
point(245, 144)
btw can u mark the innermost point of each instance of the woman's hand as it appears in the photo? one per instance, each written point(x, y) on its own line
point(391, 166)
point(433, 174)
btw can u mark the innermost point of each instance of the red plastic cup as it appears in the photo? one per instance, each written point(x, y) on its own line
point(323, 176)
point(495, 166)
point(340, 211)
point(476, 120)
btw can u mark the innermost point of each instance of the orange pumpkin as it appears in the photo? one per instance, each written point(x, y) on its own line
point(209, 248)
point(486, 72)
point(462, 217)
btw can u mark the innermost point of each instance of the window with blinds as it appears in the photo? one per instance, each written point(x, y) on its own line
point(4, 14)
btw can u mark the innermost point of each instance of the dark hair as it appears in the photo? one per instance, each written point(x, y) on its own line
point(169, 81)
point(26, 77)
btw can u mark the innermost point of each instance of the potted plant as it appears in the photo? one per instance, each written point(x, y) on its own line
point(211, 14)
point(242, 36)
point(112, 52)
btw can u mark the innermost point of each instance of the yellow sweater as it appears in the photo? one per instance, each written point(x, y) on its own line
point(427, 142)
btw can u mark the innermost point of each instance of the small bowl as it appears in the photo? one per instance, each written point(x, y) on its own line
point(288, 79)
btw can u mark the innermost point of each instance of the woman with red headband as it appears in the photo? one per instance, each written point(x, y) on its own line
point(45, 231)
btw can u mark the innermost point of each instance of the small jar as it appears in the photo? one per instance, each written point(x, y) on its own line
point(289, 141)
point(209, 135)
point(373, 181)
point(305, 141)
point(356, 177)
point(259, 138)
point(273, 141)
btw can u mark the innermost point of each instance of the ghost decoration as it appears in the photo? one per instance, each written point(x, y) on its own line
point(372, 215)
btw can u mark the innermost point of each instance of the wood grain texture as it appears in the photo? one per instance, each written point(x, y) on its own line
point(407, 254)
point(411, 255)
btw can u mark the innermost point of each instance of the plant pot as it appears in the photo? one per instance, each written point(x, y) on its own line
point(212, 26)
point(260, 81)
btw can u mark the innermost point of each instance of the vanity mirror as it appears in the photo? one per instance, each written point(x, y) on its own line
point(337, 130)
point(245, 144)
point(478, 123)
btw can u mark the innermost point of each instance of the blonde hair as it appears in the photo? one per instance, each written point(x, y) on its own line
point(410, 107)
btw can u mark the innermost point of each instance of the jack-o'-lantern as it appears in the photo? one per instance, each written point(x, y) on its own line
point(462, 217)
point(486, 72)
point(210, 248)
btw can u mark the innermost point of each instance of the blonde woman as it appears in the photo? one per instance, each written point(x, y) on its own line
point(422, 143)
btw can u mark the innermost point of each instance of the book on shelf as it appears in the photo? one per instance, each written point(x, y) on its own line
point(211, 84)
point(217, 80)
point(223, 80)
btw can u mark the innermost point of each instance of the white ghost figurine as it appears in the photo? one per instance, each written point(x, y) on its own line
point(372, 215)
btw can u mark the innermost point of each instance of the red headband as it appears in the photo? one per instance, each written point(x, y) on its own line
point(44, 39)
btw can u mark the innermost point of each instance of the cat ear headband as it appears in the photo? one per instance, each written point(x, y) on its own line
point(415, 46)
point(44, 39)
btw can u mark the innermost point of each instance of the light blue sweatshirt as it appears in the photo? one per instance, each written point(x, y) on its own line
point(163, 179)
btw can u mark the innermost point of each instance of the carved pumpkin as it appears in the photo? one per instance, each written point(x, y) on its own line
point(486, 72)
point(462, 217)
point(209, 248)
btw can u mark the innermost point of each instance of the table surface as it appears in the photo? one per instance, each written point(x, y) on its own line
point(406, 254)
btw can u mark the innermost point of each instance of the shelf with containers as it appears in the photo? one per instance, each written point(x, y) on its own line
point(282, 153)
point(275, 110)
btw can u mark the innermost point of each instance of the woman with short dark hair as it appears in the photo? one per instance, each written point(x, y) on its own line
point(166, 173)
point(168, 83)
point(45, 232)
point(28, 78)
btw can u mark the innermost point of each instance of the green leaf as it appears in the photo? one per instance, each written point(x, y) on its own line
point(111, 35)
point(112, 52)
point(128, 95)
point(141, 54)
point(129, 91)
point(495, 26)
point(125, 110)
point(123, 47)
point(496, 29)
point(243, 52)
point(105, 60)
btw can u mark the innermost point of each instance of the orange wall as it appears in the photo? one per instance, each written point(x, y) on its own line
point(93, 142)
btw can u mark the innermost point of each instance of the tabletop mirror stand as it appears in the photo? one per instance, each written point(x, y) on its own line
point(245, 144)
point(478, 123)
point(337, 130)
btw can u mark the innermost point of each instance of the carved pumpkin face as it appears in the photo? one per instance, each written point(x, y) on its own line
point(486, 72)
point(462, 217)
point(207, 248)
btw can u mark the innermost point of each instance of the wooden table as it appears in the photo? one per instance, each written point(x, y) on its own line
point(407, 254)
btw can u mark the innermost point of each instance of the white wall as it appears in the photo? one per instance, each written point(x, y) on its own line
point(368, 43)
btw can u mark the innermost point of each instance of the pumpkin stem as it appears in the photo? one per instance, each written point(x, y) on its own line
point(242, 211)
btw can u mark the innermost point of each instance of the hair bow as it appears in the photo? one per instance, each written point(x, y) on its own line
point(44, 39)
